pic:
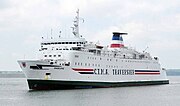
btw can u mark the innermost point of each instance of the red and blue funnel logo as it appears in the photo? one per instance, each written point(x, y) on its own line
point(117, 40)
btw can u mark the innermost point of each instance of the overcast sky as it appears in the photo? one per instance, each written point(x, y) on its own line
point(149, 23)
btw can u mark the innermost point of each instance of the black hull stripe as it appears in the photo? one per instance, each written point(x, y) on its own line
point(86, 72)
point(55, 84)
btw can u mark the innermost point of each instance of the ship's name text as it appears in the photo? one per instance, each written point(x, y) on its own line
point(114, 72)
point(122, 72)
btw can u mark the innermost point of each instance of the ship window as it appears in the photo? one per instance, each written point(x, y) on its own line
point(63, 42)
point(78, 64)
point(66, 42)
point(100, 58)
point(74, 42)
point(45, 55)
point(85, 64)
point(70, 42)
point(50, 55)
point(75, 63)
point(54, 55)
point(60, 49)
point(56, 48)
point(89, 64)
point(63, 49)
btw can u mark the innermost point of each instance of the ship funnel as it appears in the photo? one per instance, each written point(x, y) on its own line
point(117, 40)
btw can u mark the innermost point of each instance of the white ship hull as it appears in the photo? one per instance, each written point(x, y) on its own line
point(66, 77)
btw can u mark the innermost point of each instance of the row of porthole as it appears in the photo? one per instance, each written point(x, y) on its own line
point(86, 64)
point(121, 60)
point(52, 55)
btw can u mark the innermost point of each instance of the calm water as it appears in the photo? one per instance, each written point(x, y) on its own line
point(14, 92)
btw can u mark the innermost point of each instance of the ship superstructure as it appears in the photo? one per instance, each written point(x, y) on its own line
point(76, 63)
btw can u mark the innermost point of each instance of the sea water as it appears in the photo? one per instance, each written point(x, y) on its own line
point(14, 92)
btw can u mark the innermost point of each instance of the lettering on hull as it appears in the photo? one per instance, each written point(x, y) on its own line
point(116, 71)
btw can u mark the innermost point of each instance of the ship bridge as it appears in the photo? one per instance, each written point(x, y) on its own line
point(53, 48)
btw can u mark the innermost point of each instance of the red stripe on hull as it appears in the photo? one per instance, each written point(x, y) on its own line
point(117, 45)
point(147, 73)
point(81, 69)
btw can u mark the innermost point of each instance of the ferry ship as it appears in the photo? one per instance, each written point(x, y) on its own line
point(68, 63)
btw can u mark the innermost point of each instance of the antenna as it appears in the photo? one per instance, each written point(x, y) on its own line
point(145, 49)
point(59, 34)
point(76, 25)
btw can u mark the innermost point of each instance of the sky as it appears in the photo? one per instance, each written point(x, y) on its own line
point(149, 23)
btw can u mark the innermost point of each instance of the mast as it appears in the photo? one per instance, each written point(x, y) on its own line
point(75, 28)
